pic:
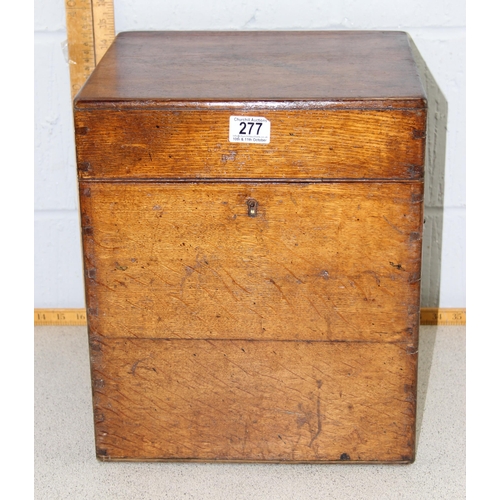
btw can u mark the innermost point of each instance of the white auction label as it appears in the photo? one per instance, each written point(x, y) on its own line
point(249, 129)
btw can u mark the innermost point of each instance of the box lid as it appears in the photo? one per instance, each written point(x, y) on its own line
point(333, 105)
point(148, 69)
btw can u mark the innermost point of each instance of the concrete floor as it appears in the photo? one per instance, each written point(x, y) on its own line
point(66, 467)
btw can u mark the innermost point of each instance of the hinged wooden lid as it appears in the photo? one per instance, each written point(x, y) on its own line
point(150, 68)
point(338, 105)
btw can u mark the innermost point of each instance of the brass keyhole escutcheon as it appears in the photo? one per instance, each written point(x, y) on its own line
point(252, 207)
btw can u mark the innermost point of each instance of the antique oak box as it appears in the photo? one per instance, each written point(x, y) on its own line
point(251, 215)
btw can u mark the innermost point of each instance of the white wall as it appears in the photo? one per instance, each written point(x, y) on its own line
point(438, 31)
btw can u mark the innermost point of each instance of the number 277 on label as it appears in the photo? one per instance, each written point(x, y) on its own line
point(249, 129)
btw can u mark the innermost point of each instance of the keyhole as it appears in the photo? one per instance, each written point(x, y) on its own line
point(252, 207)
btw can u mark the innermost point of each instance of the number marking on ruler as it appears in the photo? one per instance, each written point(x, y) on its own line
point(435, 316)
point(104, 26)
point(60, 317)
point(90, 28)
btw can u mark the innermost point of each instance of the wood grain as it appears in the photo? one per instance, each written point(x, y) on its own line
point(285, 333)
point(319, 262)
point(156, 67)
point(329, 144)
point(259, 401)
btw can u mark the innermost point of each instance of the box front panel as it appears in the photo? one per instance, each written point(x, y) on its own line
point(259, 401)
point(314, 262)
point(253, 297)
point(303, 144)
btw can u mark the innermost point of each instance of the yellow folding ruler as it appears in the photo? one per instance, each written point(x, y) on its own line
point(67, 317)
point(60, 317)
point(90, 28)
point(435, 316)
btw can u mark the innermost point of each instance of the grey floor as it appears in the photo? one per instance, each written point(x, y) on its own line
point(66, 467)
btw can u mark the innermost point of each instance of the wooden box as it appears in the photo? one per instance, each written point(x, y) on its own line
point(251, 213)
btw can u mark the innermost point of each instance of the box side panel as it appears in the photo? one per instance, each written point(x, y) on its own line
point(304, 144)
point(324, 261)
point(257, 401)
